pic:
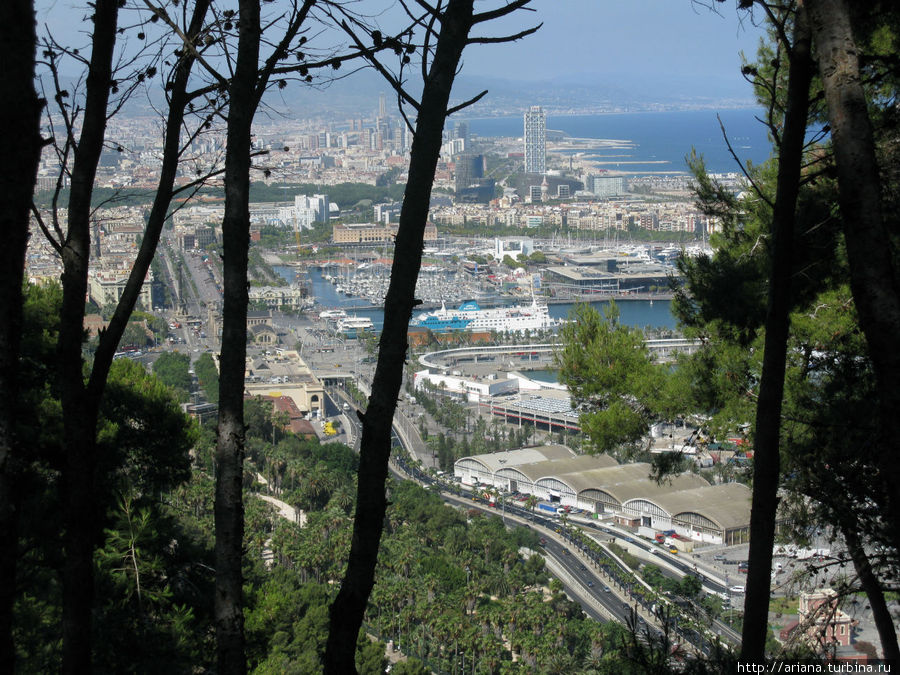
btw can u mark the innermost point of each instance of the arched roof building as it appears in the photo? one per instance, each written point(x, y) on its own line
point(686, 503)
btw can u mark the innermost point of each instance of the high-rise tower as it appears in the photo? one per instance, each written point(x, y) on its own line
point(535, 140)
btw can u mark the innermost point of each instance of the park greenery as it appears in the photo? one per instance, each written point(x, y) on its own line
point(345, 195)
point(452, 585)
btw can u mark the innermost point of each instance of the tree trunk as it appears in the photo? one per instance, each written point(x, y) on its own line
point(873, 277)
point(884, 622)
point(349, 606)
point(229, 508)
point(20, 146)
point(766, 462)
point(178, 101)
point(79, 412)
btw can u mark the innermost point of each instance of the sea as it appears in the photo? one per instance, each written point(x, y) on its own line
point(656, 142)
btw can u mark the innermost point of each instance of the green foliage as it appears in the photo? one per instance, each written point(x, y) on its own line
point(135, 336)
point(172, 370)
point(144, 437)
point(208, 376)
point(286, 625)
point(345, 195)
point(512, 263)
point(614, 384)
point(152, 587)
point(411, 666)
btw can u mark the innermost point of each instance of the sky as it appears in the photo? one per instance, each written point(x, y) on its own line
point(644, 39)
point(678, 42)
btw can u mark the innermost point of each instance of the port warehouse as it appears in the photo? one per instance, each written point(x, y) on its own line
point(550, 410)
point(688, 504)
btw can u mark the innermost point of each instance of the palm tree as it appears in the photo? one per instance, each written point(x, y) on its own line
point(344, 497)
point(530, 502)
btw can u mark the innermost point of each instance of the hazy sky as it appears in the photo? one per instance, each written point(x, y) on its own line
point(621, 37)
point(652, 41)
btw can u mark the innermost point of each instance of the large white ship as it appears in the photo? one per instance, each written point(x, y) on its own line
point(354, 326)
point(470, 317)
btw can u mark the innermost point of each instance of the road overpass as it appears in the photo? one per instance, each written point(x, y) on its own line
point(662, 349)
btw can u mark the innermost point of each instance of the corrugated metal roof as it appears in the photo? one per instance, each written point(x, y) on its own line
point(495, 461)
point(727, 504)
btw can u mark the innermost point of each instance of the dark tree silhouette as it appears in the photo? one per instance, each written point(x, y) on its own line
point(81, 399)
point(20, 150)
point(229, 509)
point(451, 23)
point(871, 252)
point(767, 464)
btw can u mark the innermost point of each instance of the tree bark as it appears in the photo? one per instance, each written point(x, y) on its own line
point(884, 622)
point(873, 274)
point(178, 101)
point(229, 507)
point(20, 148)
point(346, 613)
point(766, 462)
point(79, 411)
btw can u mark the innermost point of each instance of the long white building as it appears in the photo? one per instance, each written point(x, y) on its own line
point(686, 503)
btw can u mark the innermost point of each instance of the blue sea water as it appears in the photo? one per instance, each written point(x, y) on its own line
point(655, 136)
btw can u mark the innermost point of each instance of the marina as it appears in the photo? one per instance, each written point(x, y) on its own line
point(636, 310)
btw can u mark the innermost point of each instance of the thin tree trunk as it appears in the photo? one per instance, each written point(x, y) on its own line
point(20, 148)
point(766, 460)
point(79, 411)
point(229, 508)
point(873, 276)
point(178, 101)
point(884, 622)
point(349, 606)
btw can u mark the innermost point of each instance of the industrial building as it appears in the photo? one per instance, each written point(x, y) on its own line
point(686, 503)
point(549, 410)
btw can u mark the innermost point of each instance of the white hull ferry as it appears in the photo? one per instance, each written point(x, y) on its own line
point(470, 317)
point(353, 326)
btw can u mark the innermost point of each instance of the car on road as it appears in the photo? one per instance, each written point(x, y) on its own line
point(719, 556)
point(673, 550)
point(737, 589)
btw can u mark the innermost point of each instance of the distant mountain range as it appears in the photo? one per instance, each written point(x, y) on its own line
point(358, 94)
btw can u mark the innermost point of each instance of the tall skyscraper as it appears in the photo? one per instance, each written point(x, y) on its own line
point(469, 169)
point(462, 131)
point(535, 140)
